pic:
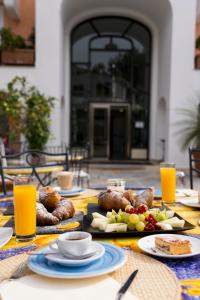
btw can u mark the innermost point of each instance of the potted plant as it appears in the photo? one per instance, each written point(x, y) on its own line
point(37, 120)
point(190, 128)
point(14, 50)
point(30, 110)
point(12, 109)
point(197, 56)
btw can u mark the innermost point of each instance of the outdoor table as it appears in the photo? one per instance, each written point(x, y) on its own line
point(39, 170)
point(186, 270)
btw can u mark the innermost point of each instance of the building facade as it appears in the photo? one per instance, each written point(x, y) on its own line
point(120, 71)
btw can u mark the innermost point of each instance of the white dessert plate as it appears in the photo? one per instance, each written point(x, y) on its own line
point(60, 259)
point(5, 235)
point(147, 244)
point(191, 202)
point(113, 258)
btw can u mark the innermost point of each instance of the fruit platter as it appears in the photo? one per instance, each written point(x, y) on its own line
point(114, 216)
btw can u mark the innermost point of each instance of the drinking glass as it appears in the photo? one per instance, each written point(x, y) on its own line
point(168, 182)
point(25, 208)
point(117, 184)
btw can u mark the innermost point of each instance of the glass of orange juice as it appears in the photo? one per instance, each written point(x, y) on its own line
point(25, 208)
point(168, 182)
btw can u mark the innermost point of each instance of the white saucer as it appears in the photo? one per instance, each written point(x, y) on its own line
point(147, 244)
point(60, 259)
point(75, 191)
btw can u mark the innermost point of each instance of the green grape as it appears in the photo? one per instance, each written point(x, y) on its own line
point(118, 219)
point(146, 214)
point(161, 217)
point(112, 219)
point(141, 217)
point(140, 226)
point(120, 212)
point(126, 218)
point(131, 226)
point(133, 218)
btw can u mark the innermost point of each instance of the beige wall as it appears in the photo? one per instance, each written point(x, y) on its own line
point(27, 19)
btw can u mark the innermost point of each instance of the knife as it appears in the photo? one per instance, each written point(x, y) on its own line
point(126, 285)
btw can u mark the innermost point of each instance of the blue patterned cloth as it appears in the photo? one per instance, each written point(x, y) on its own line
point(6, 203)
point(15, 251)
point(186, 268)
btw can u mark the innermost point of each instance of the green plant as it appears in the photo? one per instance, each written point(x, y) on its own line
point(10, 40)
point(12, 107)
point(30, 110)
point(31, 39)
point(190, 125)
point(198, 43)
point(38, 111)
point(7, 39)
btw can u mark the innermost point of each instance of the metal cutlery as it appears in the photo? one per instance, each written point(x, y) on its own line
point(73, 257)
point(126, 285)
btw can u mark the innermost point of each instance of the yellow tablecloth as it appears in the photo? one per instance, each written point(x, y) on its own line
point(192, 216)
point(40, 170)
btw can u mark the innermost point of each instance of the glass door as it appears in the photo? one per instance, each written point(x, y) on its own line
point(110, 131)
point(99, 131)
point(119, 132)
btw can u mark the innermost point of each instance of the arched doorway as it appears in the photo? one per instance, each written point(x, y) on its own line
point(110, 87)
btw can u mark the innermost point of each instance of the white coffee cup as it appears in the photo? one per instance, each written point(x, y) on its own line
point(65, 179)
point(72, 243)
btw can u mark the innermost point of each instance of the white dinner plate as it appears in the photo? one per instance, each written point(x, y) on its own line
point(147, 244)
point(191, 202)
point(60, 259)
point(5, 235)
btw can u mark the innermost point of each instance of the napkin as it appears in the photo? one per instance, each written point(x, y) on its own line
point(37, 287)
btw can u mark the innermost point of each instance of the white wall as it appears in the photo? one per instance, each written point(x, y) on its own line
point(182, 73)
point(47, 73)
point(157, 17)
point(173, 76)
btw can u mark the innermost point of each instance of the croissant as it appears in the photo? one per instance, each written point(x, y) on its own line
point(112, 200)
point(145, 198)
point(64, 209)
point(44, 217)
point(49, 199)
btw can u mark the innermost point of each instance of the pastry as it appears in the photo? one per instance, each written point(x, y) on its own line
point(51, 208)
point(173, 246)
point(112, 200)
point(120, 200)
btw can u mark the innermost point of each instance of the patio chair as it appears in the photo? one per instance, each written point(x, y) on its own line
point(33, 162)
point(78, 164)
point(194, 164)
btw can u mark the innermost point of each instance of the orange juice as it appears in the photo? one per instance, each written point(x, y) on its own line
point(168, 184)
point(25, 210)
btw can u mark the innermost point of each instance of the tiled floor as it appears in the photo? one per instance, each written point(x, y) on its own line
point(135, 175)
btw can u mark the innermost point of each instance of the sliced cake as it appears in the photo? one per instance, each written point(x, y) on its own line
point(173, 246)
